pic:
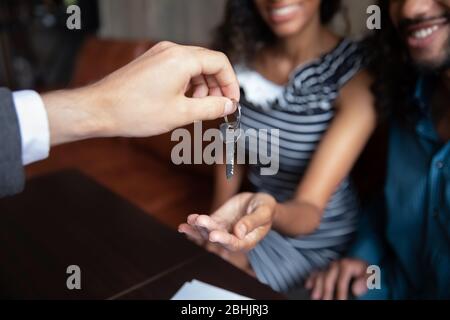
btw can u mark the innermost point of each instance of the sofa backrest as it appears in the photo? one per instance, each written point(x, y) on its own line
point(99, 57)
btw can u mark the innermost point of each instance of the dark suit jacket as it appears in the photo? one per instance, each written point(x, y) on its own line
point(12, 177)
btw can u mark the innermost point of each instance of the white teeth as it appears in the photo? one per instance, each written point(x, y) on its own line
point(284, 10)
point(426, 32)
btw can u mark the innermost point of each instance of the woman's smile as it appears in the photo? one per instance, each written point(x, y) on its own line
point(281, 14)
point(289, 17)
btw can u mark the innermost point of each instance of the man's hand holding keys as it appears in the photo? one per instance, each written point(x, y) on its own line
point(147, 97)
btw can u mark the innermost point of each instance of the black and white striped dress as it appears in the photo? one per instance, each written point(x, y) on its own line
point(302, 111)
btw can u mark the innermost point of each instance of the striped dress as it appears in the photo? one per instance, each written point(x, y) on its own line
point(302, 111)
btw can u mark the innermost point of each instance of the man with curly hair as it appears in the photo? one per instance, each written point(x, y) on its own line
point(408, 233)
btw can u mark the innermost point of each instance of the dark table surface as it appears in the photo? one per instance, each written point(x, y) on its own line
point(68, 219)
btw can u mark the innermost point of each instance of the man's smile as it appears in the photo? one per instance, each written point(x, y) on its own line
point(422, 34)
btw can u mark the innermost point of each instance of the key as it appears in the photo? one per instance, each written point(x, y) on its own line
point(228, 134)
point(231, 133)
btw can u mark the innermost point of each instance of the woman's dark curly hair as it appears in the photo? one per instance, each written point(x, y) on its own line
point(243, 31)
point(390, 64)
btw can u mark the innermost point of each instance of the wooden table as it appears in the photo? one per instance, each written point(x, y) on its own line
point(68, 219)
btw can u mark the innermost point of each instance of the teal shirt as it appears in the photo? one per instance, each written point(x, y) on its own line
point(407, 233)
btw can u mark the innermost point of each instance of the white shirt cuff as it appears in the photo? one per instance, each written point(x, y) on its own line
point(34, 128)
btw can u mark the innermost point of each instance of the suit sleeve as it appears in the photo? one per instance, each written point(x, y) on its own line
point(12, 176)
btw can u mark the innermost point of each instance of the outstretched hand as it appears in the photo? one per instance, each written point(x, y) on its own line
point(239, 225)
point(167, 87)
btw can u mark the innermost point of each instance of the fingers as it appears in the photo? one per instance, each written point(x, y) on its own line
point(261, 217)
point(339, 275)
point(359, 287)
point(221, 226)
point(192, 221)
point(218, 250)
point(199, 227)
point(203, 62)
point(323, 284)
point(227, 240)
point(191, 233)
point(208, 223)
point(343, 284)
point(204, 86)
point(213, 63)
point(329, 284)
point(349, 270)
point(212, 80)
point(309, 284)
point(233, 209)
point(256, 212)
point(207, 108)
point(317, 291)
point(200, 87)
point(213, 85)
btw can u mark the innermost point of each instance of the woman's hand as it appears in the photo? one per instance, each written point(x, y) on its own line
point(239, 225)
point(297, 218)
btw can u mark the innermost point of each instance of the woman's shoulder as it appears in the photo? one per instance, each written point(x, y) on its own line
point(347, 47)
point(351, 76)
point(350, 65)
point(349, 53)
point(357, 92)
point(336, 67)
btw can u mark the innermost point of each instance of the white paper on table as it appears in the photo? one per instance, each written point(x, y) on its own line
point(197, 290)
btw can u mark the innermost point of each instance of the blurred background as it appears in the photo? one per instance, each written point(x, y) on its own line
point(38, 51)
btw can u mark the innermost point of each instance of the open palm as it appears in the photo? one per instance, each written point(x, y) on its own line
point(238, 225)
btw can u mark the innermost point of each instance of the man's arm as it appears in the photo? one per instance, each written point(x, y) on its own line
point(147, 97)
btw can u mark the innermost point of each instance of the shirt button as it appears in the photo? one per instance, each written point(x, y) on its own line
point(439, 164)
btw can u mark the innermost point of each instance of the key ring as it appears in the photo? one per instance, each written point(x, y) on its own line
point(237, 114)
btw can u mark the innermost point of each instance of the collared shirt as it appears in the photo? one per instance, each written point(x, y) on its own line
point(34, 127)
point(408, 234)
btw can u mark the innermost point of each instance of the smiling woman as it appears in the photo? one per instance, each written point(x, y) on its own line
point(243, 33)
point(299, 77)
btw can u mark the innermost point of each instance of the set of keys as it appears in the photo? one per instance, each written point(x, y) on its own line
point(231, 133)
